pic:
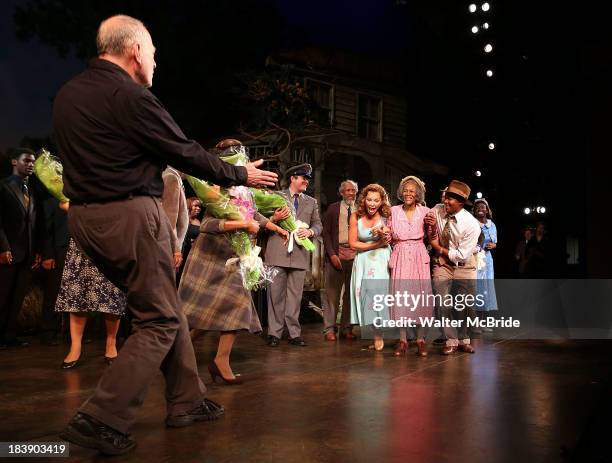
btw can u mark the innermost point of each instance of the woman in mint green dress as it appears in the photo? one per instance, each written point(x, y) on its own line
point(369, 237)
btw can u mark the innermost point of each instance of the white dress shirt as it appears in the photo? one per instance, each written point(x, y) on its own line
point(464, 233)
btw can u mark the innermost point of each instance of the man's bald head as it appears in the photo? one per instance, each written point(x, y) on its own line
point(126, 42)
point(118, 33)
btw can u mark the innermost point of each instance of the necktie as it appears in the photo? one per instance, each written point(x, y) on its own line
point(295, 202)
point(26, 195)
point(348, 214)
point(445, 238)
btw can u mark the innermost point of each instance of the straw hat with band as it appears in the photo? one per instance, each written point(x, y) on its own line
point(460, 191)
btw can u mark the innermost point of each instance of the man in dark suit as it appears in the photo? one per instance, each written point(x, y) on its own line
point(285, 293)
point(339, 261)
point(53, 259)
point(19, 242)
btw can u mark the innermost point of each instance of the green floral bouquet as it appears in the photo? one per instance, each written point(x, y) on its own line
point(49, 171)
point(267, 202)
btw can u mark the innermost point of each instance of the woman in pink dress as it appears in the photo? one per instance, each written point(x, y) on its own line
point(409, 263)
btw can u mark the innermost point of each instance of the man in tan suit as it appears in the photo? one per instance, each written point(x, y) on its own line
point(454, 266)
point(285, 292)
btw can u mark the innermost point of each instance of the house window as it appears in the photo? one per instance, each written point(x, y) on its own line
point(302, 154)
point(369, 117)
point(322, 94)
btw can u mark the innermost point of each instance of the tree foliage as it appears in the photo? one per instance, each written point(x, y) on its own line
point(202, 46)
point(279, 98)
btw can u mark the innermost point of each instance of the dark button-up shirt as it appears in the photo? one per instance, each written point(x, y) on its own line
point(115, 138)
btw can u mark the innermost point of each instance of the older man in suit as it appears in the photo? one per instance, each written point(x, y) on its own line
point(19, 243)
point(339, 261)
point(285, 293)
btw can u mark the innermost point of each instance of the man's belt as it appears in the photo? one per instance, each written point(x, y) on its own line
point(445, 260)
point(458, 264)
point(108, 200)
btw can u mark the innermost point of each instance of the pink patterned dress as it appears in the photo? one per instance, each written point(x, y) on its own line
point(409, 265)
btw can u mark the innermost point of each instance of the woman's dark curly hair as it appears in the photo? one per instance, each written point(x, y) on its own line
point(385, 206)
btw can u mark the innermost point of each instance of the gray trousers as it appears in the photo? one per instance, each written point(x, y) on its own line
point(447, 279)
point(130, 241)
point(284, 302)
point(334, 281)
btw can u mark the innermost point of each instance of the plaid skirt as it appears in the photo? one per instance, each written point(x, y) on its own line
point(212, 296)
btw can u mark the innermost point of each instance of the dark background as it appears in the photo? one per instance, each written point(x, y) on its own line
point(547, 108)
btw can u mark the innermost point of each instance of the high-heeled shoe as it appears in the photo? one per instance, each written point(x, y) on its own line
point(213, 369)
point(109, 360)
point(69, 365)
point(400, 348)
point(421, 349)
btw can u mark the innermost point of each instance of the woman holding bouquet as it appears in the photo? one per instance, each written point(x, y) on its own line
point(212, 291)
point(368, 237)
point(84, 290)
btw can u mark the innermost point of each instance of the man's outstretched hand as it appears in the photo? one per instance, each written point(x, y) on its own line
point(259, 178)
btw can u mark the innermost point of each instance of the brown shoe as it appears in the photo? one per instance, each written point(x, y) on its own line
point(330, 336)
point(400, 349)
point(447, 350)
point(421, 349)
point(467, 348)
point(349, 336)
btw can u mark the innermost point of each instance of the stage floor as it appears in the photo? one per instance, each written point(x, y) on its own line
point(514, 401)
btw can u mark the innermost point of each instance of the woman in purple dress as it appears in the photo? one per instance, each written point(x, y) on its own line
point(409, 263)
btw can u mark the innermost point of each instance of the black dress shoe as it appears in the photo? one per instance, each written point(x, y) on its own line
point(273, 341)
point(69, 365)
point(297, 342)
point(109, 360)
point(206, 411)
point(86, 431)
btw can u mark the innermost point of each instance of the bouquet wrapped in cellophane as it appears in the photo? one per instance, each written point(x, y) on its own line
point(49, 171)
point(267, 202)
point(235, 203)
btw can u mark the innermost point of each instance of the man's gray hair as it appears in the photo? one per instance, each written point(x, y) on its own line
point(117, 33)
point(343, 184)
